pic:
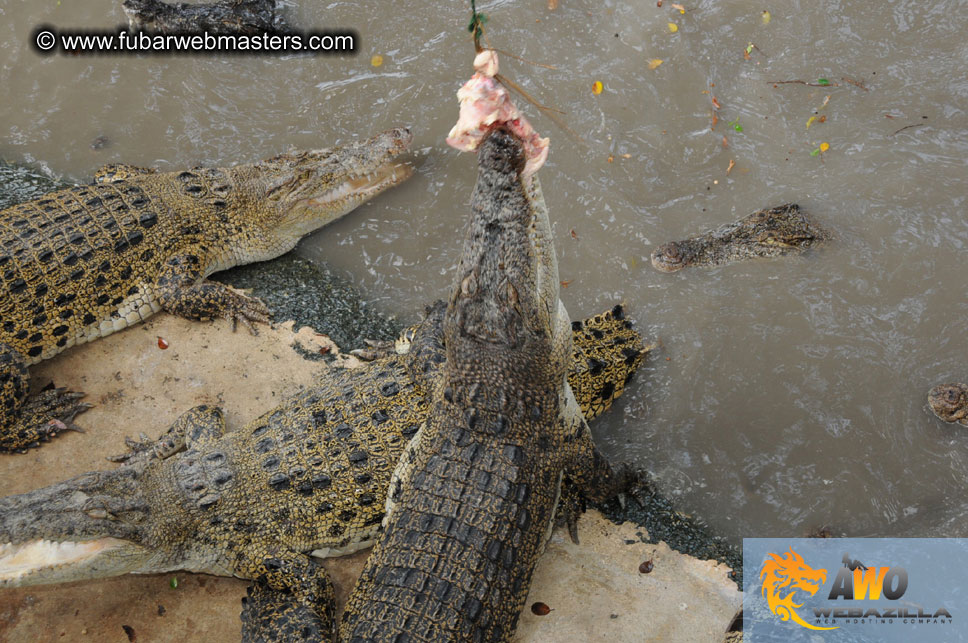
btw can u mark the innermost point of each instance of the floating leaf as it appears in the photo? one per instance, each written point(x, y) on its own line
point(540, 609)
point(749, 48)
point(610, 158)
point(736, 125)
point(732, 164)
point(597, 87)
point(673, 27)
point(824, 147)
point(823, 81)
point(679, 7)
point(766, 17)
point(815, 152)
point(725, 142)
point(376, 60)
point(655, 62)
point(716, 104)
point(173, 583)
point(810, 121)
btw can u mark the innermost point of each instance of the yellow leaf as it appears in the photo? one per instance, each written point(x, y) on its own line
point(673, 27)
point(377, 60)
point(766, 17)
point(597, 87)
point(679, 7)
point(810, 121)
point(655, 62)
point(824, 147)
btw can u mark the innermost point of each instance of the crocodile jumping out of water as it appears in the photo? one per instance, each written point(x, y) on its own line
point(244, 17)
point(84, 262)
point(473, 499)
point(773, 232)
point(950, 402)
point(310, 475)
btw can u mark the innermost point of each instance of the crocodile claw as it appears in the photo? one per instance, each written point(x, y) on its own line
point(42, 417)
point(246, 309)
point(376, 349)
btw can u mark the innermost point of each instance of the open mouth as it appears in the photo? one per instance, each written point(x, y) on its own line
point(23, 559)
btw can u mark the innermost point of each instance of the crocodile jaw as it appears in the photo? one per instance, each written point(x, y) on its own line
point(40, 562)
point(311, 213)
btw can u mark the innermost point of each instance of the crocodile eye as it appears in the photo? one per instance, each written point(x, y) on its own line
point(671, 253)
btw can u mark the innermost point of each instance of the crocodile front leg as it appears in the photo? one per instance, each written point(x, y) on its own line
point(27, 421)
point(292, 599)
point(183, 291)
point(196, 428)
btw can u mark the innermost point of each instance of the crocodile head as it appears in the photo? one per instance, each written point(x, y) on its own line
point(771, 232)
point(299, 192)
point(506, 293)
point(950, 402)
point(92, 526)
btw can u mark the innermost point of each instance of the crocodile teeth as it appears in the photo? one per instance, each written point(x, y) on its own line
point(362, 184)
point(17, 561)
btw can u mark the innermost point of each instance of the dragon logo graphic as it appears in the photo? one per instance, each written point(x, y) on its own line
point(782, 577)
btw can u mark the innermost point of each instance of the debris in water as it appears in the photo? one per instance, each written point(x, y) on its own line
point(803, 82)
point(100, 143)
point(376, 60)
point(765, 17)
point(729, 169)
point(673, 27)
point(597, 87)
point(130, 632)
point(173, 583)
point(654, 63)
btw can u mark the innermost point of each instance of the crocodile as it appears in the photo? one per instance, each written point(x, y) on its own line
point(474, 496)
point(772, 232)
point(244, 17)
point(950, 402)
point(81, 263)
point(320, 464)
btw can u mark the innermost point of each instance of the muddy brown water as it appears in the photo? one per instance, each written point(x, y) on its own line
point(788, 393)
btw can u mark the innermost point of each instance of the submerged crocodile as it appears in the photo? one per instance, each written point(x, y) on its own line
point(475, 494)
point(246, 17)
point(84, 262)
point(310, 475)
point(950, 402)
point(773, 232)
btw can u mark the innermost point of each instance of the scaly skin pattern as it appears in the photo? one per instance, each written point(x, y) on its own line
point(246, 17)
point(311, 475)
point(82, 263)
point(773, 232)
point(950, 402)
point(474, 496)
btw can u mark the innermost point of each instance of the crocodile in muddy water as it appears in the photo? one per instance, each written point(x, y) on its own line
point(248, 17)
point(473, 499)
point(774, 232)
point(950, 402)
point(84, 262)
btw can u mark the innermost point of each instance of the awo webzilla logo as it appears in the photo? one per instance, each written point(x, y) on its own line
point(853, 594)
